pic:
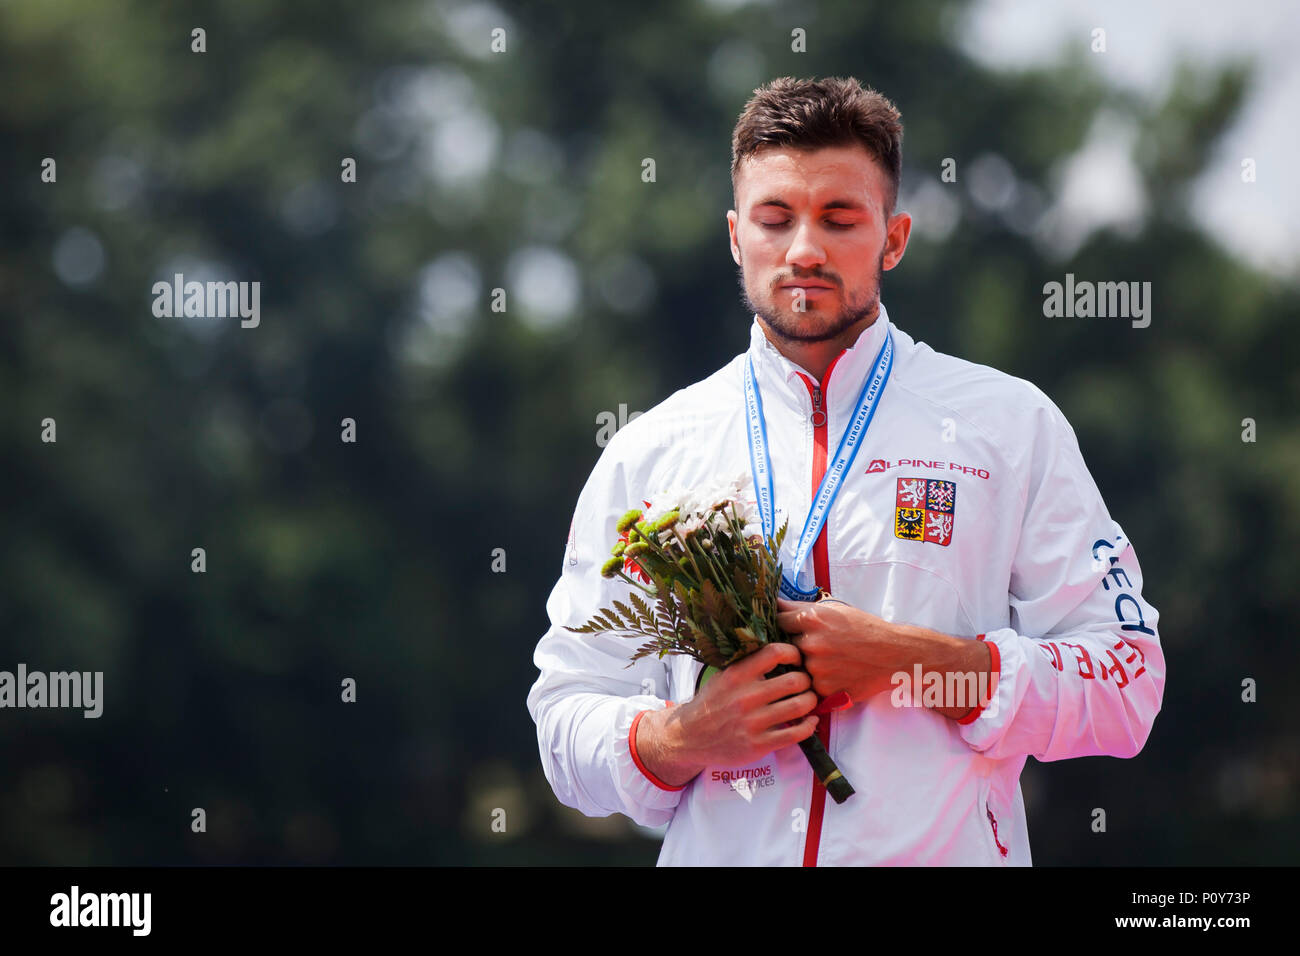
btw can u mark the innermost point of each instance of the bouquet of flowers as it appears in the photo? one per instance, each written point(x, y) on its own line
point(710, 583)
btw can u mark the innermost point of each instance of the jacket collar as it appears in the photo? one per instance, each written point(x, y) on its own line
point(780, 378)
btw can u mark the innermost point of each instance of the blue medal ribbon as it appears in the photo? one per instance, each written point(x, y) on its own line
point(760, 463)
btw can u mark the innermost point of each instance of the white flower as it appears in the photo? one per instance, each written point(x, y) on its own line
point(690, 523)
point(747, 512)
point(660, 505)
point(708, 506)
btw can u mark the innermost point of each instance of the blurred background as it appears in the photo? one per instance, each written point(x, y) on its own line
point(512, 160)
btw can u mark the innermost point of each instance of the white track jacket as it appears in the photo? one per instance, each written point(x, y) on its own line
point(968, 510)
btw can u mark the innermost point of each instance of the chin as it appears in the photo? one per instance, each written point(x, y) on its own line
point(805, 332)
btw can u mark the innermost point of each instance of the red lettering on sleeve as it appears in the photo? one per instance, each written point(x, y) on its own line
point(1121, 679)
point(1136, 655)
point(1084, 659)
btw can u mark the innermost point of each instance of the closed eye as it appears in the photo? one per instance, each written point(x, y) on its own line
point(782, 225)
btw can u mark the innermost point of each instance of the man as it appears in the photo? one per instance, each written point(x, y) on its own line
point(984, 605)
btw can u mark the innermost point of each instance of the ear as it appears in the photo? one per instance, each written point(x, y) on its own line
point(897, 232)
point(732, 220)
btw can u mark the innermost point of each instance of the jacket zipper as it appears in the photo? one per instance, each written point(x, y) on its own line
point(821, 571)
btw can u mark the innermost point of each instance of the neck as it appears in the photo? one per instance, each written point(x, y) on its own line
point(816, 357)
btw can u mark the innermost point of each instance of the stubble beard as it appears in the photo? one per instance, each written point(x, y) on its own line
point(813, 324)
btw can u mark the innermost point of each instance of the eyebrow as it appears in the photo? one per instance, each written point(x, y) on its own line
point(833, 204)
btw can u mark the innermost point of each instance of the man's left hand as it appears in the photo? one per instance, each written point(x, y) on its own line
point(848, 649)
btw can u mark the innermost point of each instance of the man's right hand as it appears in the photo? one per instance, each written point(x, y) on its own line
point(737, 717)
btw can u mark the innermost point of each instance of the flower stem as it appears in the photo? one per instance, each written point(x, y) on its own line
point(624, 575)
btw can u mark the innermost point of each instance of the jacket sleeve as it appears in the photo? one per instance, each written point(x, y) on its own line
point(1080, 671)
point(586, 698)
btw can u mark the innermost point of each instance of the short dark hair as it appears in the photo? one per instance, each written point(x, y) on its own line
point(813, 114)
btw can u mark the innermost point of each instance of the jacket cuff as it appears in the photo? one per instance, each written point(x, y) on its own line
point(636, 757)
point(995, 669)
point(986, 725)
point(641, 788)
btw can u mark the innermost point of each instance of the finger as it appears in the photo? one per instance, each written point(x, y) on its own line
point(794, 733)
point(785, 685)
point(825, 687)
point(807, 727)
point(792, 708)
point(778, 653)
point(762, 661)
point(792, 620)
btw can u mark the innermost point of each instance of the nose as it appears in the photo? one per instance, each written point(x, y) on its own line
point(805, 252)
